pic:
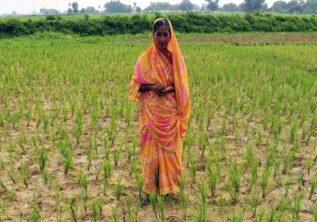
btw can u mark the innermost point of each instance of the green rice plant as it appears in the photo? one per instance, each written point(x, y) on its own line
point(78, 126)
point(294, 130)
point(161, 205)
point(133, 166)
point(315, 214)
point(106, 147)
point(115, 216)
point(265, 181)
point(90, 153)
point(140, 185)
point(234, 178)
point(297, 205)
point(237, 216)
point(254, 174)
point(203, 141)
point(183, 200)
point(106, 173)
point(288, 160)
point(260, 216)
point(282, 206)
point(72, 206)
point(15, 119)
point(272, 216)
point(10, 174)
point(118, 189)
point(45, 120)
point(116, 156)
point(192, 168)
point(249, 156)
point(270, 157)
point(96, 209)
point(153, 202)
point(309, 164)
point(24, 174)
point(67, 155)
point(35, 212)
point(46, 176)
point(203, 194)
point(213, 177)
point(83, 182)
point(254, 201)
point(132, 211)
point(313, 186)
point(43, 158)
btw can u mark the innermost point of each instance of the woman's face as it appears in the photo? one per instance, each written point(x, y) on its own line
point(161, 37)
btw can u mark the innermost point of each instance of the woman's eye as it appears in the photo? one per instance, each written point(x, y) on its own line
point(165, 34)
point(158, 34)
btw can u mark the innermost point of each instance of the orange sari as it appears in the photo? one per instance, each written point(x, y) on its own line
point(163, 120)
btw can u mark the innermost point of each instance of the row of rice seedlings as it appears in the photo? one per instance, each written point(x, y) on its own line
point(234, 174)
point(118, 189)
point(72, 207)
point(67, 155)
point(83, 183)
point(132, 210)
point(183, 196)
point(96, 209)
point(202, 210)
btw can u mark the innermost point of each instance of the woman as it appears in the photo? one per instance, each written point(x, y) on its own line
point(160, 85)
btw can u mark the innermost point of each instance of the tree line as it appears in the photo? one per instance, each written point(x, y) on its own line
point(183, 22)
point(115, 6)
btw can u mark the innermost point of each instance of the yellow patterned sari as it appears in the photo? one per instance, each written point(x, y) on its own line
point(163, 120)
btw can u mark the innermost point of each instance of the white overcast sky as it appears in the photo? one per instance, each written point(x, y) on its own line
point(30, 6)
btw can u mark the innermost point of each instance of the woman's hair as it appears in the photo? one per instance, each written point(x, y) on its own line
point(160, 22)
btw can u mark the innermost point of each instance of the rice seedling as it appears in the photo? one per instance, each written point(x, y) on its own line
point(153, 202)
point(43, 156)
point(313, 186)
point(116, 156)
point(315, 214)
point(140, 185)
point(106, 173)
point(297, 205)
point(83, 182)
point(183, 201)
point(115, 216)
point(35, 212)
point(96, 209)
point(24, 174)
point(265, 181)
point(72, 206)
point(260, 216)
point(78, 126)
point(282, 205)
point(67, 155)
point(161, 205)
point(254, 201)
point(254, 174)
point(213, 177)
point(234, 180)
point(118, 189)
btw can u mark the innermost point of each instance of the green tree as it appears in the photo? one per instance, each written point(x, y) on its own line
point(75, 7)
point(117, 7)
point(253, 5)
point(230, 7)
point(212, 5)
point(186, 5)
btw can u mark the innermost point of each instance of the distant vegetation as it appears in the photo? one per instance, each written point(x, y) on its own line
point(183, 22)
